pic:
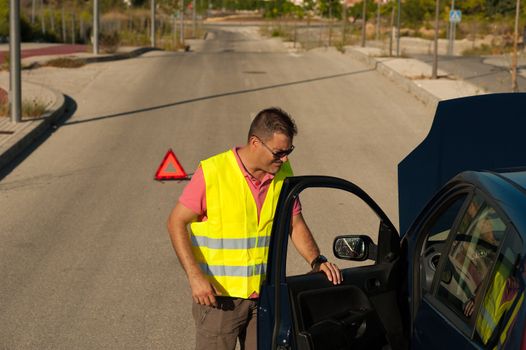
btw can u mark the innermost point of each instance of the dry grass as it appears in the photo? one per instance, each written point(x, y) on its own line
point(31, 109)
point(65, 62)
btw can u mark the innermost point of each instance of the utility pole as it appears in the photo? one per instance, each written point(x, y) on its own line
point(364, 21)
point(15, 83)
point(514, 85)
point(153, 23)
point(398, 29)
point(434, 74)
point(95, 27)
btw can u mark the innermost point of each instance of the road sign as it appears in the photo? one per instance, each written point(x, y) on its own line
point(170, 168)
point(455, 16)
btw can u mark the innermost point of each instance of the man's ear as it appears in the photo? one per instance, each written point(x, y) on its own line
point(252, 140)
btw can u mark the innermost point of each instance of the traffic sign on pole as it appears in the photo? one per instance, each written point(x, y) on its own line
point(455, 16)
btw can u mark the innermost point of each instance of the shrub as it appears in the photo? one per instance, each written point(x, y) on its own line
point(109, 42)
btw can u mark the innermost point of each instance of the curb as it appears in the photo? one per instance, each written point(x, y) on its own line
point(33, 129)
point(96, 59)
point(409, 85)
point(120, 56)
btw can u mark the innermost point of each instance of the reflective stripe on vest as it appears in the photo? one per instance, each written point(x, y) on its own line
point(232, 246)
point(238, 271)
point(230, 243)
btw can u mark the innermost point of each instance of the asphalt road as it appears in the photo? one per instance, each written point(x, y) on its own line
point(85, 259)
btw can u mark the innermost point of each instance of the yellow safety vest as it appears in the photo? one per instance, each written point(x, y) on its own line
point(231, 247)
point(494, 306)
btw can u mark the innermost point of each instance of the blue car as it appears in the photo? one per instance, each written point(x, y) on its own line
point(455, 276)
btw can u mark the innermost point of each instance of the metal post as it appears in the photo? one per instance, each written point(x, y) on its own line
point(452, 27)
point(434, 74)
point(181, 18)
point(392, 31)
point(152, 26)
point(330, 24)
point(95, 27)
point(194, 20)
point(364, 21)
point(398, 30)
point(514, 85)
point(64, 34)
point(73, 29)
point(42, 18)
point(344, 26)
point(15, 82)
point(33, 10)
point(174, 30)
point(378, 20)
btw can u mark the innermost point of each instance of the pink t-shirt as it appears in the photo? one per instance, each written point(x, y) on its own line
point(194, 194)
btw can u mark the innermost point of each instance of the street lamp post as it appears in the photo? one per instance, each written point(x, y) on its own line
point(15, 83)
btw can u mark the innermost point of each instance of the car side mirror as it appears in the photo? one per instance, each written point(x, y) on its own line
point(354, 247)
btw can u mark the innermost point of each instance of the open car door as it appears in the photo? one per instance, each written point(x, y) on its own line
point(307, 312)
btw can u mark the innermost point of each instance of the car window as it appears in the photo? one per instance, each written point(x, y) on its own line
point(471, 257)
point(437, 230)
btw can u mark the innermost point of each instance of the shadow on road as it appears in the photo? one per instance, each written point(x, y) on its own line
point(69, 110)
point(232, 93)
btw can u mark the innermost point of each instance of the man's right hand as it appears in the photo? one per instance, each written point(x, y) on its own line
point(203, 291)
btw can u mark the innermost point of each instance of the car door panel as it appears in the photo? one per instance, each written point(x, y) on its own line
point(344, 316)
point(308, 312)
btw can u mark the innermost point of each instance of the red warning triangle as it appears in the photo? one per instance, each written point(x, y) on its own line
point(170, 168)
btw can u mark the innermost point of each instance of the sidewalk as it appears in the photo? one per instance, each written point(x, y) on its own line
point(414, 76)
point(14, 138)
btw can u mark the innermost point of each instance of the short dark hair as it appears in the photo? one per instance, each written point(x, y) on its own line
point(272, 120)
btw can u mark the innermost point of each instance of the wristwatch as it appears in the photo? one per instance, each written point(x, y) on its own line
point(320, 259)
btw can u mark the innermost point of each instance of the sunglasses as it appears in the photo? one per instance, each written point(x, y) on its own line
point(278, 154)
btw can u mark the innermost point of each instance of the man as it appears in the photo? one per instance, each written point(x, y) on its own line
point(229, 205)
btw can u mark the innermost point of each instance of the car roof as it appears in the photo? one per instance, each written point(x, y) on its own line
point(471, 133)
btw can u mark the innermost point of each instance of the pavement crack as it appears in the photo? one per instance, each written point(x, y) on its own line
point(39, 180)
